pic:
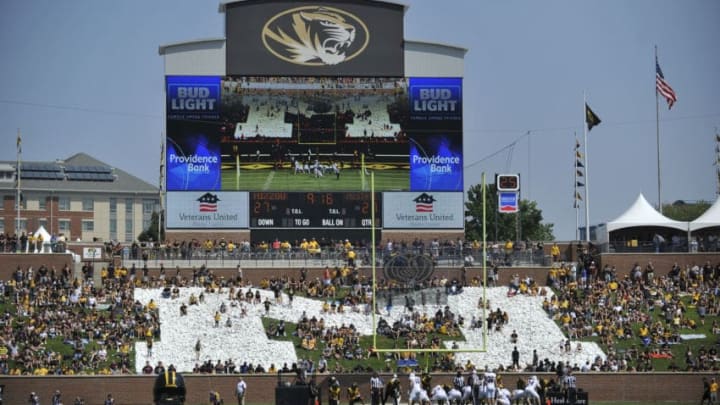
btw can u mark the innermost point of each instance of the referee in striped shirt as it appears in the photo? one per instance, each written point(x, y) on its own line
point(376, 388)
point(570, 386)
point(459, 381)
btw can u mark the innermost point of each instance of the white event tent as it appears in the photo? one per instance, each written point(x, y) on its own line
point(709, 219)
point(642, 214)
point(640, 219)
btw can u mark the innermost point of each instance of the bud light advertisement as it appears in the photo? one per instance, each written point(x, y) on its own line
point(193, 97)
point(435, 103)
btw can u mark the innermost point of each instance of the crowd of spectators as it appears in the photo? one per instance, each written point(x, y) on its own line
point(30, 243)
point(100, 323)
point(53, 306)
point(597, 302)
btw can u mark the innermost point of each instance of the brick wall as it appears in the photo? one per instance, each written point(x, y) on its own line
point(10, 261)
point(51, 214)
point(137, 390)
point(663, 262)
point(623, 263)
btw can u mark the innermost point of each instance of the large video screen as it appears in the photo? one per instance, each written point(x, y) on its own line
point(314, 134)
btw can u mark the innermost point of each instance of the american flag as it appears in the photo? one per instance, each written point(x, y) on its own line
point(424, 203)
point(208, 202)
point(663, 87)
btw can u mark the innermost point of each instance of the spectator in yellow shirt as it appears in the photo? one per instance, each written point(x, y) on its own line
point(555, 252)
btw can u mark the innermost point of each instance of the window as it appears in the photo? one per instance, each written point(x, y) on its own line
point(129, 206)
point(149, 206)
point(113, 229)
point(146, 223)
point(42, 203)
point(113, 205)
point(129, 230)
point(64, 203)
point(23, 225)
point(88, 204)
point(64, 227)
point(43, 222)
point(2, 225)
point(88, 225)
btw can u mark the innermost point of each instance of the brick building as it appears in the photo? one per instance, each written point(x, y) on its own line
point(79, 197)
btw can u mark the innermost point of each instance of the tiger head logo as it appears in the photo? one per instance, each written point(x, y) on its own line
point(315, 36)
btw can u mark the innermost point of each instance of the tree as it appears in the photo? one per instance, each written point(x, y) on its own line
point(151, 234)
point(503, 226)
point(684, 211)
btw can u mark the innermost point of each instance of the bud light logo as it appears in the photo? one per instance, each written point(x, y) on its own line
point(435, 99)
point(193, 97)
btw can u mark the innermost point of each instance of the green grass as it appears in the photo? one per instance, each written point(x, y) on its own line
point(285, 180)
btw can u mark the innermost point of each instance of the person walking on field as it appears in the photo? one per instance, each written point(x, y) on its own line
point(706, 392)
point(714, 391)
point(240, 390)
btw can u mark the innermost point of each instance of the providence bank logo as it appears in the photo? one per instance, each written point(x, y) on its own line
point(315, 36)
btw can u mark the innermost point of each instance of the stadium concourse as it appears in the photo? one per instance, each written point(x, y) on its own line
point(239, 334)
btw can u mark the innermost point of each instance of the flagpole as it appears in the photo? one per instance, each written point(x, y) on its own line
point(575, 194)
point(587, 172)
point(18, 192)
point(657, 137)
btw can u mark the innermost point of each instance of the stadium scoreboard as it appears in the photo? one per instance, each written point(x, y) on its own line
point(312, 210)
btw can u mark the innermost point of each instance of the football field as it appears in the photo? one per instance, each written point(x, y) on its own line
point(285, 179)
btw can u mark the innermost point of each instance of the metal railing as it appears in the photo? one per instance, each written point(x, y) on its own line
point(444, 256)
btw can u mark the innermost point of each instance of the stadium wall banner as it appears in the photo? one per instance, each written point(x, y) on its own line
point(92, 253)
point(204, 210)
point(423, 210)
point(314, 38)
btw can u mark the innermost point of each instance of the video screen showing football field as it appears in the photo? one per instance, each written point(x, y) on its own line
point(324, 134)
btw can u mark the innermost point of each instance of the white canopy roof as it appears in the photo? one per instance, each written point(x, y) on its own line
point(42, 232)
point(708, 219)
point(641, 213)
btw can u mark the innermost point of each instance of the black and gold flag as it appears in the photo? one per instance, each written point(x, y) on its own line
point(591, 118)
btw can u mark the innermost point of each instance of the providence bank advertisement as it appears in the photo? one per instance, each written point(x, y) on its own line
point(435, 133)
point(193, 148)
point(423, 210)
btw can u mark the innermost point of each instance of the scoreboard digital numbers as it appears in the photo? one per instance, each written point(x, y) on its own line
point(313, 210)
point(508, 182)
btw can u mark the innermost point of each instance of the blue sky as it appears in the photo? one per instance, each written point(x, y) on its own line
point(85, 76)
